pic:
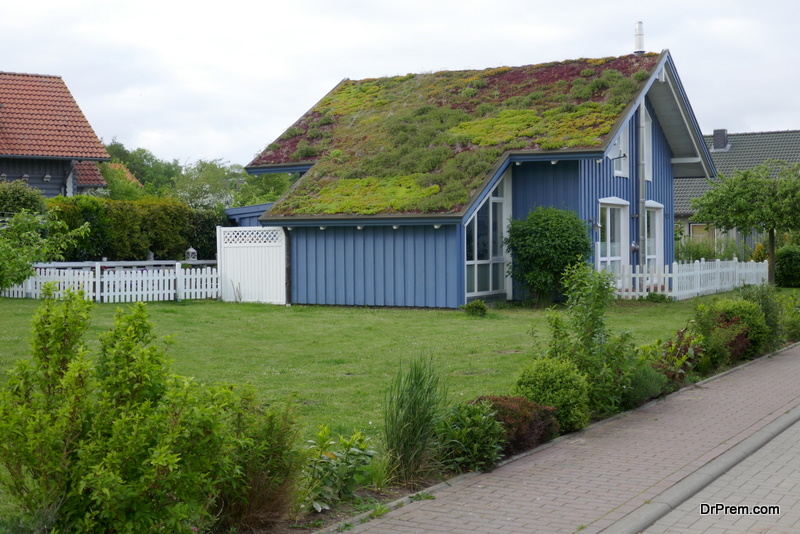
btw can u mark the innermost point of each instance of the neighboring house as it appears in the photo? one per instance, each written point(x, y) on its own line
point(44, 136)
point(410, 182)
point(88, 177)
point(731, 152)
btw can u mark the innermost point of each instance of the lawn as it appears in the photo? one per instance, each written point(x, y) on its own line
point(335, 363)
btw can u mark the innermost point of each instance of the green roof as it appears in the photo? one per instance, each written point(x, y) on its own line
point(424, 143)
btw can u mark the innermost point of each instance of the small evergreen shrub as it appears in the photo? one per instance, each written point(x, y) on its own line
point(556, 383)
point(17, 196)
point(787, 266)
point(525, 423)
point(766, 297)
point(470, 438)
point(475, 308)
point(646, 383)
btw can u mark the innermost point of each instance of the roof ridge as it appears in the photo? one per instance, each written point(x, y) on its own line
point(30, 74)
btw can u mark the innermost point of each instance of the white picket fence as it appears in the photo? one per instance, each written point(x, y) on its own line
point(681, 281)
point(124, 281)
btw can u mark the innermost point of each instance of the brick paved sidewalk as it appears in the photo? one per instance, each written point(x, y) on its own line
point(587, 481)
point(770, 477)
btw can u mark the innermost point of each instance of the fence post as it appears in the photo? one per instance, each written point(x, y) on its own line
point(178, 282)
point(98, 282)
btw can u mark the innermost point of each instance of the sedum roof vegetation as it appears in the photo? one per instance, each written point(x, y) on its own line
point(423, 143)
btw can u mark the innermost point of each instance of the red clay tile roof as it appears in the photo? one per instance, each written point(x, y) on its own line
point(39, 117)
point(89, 175)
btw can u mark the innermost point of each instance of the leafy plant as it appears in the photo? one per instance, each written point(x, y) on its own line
point(120, 444)
point(412, 410)
point(646, 383)
point(543, 246)
point(557, 383)
point(475, 308)
point(525, 423)
point(332, 474)
point(470, 439)
point(608, 360)
point(787, 266)
point(791, 316)
point(766, 297)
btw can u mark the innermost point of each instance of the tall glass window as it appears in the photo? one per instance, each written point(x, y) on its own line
point(484, 247)
point(610, 242)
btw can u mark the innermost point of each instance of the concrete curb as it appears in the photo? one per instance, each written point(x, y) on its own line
point(647, 514)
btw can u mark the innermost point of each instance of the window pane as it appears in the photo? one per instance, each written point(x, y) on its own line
point(483, 277)
point(497, 229)
point(651, 232)
point(470, 279)
point(470, 240)
point(614, 244)
point(497, 276)
point(482, 230)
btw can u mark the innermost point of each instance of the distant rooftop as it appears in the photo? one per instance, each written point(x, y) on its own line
point(40, 118)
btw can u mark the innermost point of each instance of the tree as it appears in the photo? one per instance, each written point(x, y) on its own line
point(28, 238)
point(155, 174)
point(120, 186)
point(764, 198)
point(262, 188)
point(208, 184)
point(543, 246)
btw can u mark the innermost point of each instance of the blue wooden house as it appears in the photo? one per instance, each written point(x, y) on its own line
point(409, 182)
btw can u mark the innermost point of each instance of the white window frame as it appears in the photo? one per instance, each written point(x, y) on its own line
point(654, 232)
point(647, 149)
point(613, 263)
point(621, 153)
point(497, 200)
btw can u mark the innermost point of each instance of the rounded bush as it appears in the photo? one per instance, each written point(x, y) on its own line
point(475, 308)
point(751, 317)
point(787, 266)
point(559, 384)
point(470, 439)
point(526, 424)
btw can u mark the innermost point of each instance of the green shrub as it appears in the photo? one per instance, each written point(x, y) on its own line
point(17, 196)
point(80, 209)
point(412, 410)
point(557, 383)
point(475, 308)
point(787, 266)
point(676, 358)
point(543, 246)
point(128, 240)
point(646, 383)
point(606, 359)
point(766, 297)
point(332, 473)
point(751, 317)
point(525, 423)
point(470, 439)
point(791, 316)
point(121, 444)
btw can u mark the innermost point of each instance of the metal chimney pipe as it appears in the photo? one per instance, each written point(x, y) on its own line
point(638, 40)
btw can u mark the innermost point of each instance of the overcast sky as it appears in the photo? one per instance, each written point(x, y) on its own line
point(201, 80)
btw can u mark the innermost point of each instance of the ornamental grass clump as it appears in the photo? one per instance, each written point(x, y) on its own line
point(413, 408)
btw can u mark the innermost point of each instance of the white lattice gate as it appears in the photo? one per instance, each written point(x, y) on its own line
point(252, 264)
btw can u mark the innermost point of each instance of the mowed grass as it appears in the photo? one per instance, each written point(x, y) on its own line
point(335, 363)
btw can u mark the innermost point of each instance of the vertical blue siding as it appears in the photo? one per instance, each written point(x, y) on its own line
point(415, 266)
point(540, 183)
